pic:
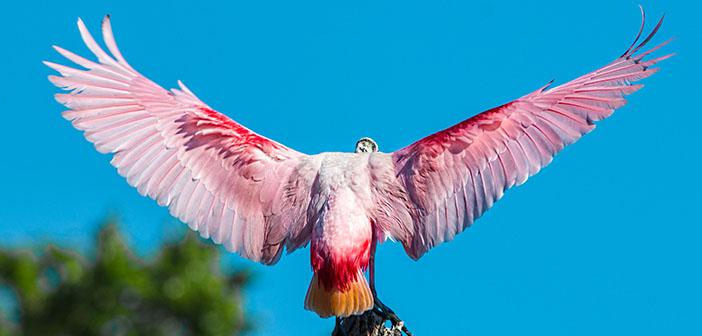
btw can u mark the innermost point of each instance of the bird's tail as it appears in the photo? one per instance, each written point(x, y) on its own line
point(354, 300)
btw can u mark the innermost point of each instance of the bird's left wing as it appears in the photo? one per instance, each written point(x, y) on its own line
point(243, 190)
point(441, 184)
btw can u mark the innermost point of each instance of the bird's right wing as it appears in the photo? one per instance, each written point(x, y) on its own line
point(241, 189)
point(441, 184)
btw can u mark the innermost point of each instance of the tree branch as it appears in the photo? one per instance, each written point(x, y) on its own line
point(370, 323)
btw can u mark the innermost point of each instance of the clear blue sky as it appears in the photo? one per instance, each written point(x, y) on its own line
point(605, 241)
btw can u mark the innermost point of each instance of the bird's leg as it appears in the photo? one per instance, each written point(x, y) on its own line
point(338, 328)
point(379, 307)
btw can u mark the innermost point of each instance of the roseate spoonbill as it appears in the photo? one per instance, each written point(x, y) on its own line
point(258, 197)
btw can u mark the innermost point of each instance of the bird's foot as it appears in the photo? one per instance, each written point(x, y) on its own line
point(388, 314)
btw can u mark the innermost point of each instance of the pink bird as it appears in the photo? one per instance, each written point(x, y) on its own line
point(258, 197)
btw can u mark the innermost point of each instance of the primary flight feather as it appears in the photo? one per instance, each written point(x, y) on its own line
point(257, 197)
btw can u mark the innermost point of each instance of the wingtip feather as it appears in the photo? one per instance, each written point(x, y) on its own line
point(56, 67)
point(638, 35)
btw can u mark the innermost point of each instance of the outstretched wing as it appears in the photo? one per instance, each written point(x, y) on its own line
point(444, 182)
point(227, 182)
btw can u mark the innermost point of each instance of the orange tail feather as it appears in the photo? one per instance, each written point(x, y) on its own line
point(353, 301)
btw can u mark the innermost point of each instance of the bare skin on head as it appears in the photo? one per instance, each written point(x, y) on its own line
point(366, 145)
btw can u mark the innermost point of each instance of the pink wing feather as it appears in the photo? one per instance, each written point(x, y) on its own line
point(445, 181)
point(227, 182)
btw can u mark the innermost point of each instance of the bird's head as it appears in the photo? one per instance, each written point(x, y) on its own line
point(366, 145)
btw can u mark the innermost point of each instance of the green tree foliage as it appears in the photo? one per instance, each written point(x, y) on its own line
point(180, 291)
